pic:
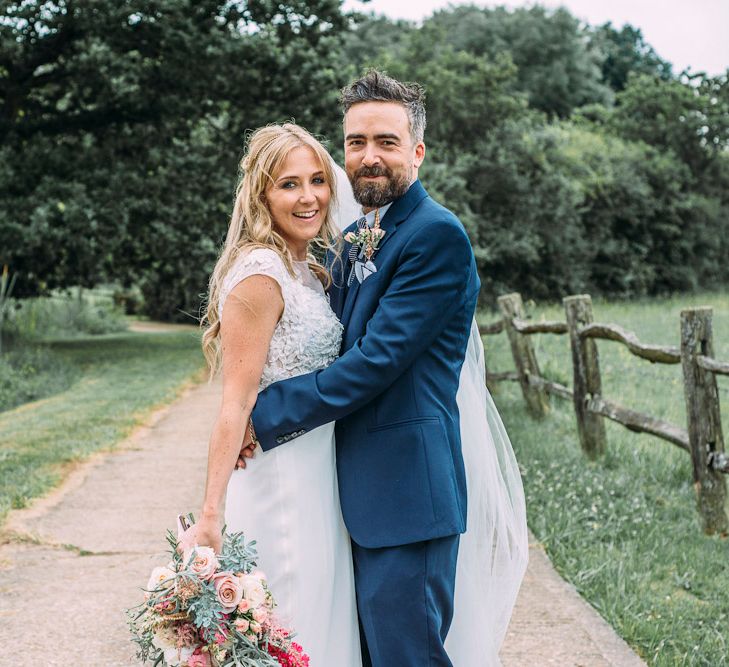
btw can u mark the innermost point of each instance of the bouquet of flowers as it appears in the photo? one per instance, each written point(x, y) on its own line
point(208, 610)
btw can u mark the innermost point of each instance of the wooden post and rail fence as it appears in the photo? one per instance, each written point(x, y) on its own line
point(702, 439)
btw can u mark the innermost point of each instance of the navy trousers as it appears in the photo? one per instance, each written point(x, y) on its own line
point(405, 602)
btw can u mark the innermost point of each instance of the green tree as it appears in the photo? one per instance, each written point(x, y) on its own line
point(557, 66)
point(688, 117)
point(648, 232)
point(130, 120)
point(626, 52)
point(372, 36)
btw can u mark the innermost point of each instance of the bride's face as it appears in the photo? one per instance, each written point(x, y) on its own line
point(298, 199)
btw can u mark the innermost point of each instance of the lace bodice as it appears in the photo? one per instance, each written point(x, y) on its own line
point(308, 335)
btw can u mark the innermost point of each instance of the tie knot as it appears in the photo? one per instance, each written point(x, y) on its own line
point(362, 223)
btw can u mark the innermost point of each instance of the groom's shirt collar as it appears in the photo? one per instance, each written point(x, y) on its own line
point(370, 217)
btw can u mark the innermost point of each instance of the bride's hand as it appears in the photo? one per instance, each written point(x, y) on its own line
point(208, 532)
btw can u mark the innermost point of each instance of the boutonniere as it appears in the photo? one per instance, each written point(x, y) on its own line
point(367, 239)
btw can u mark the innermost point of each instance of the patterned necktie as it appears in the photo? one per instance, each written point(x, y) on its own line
point(354, 250)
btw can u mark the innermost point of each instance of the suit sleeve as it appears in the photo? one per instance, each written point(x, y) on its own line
point(428, 287)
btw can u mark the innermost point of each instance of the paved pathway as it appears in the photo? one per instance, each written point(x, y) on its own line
point(73, 561)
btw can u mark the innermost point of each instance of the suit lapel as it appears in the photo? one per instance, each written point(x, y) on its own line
point(337, 289)
point(397, 213)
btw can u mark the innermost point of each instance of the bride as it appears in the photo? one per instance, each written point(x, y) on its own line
point(269, 319)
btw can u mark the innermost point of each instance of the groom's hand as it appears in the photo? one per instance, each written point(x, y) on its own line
point(247, 451)
point(247, 448)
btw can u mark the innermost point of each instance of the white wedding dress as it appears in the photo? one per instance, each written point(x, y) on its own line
point(287, 499)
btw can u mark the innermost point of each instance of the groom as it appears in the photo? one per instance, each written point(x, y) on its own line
point(393, 390)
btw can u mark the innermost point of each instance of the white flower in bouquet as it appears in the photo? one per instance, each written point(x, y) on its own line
point(159, 576)
point(176, 656)
point(258, 574)
point(253, 590)
point(165, 637)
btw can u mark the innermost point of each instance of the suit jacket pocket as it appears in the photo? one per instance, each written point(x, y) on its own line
point(402, 422)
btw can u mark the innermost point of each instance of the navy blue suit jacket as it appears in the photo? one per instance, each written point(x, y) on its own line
point(393, 390)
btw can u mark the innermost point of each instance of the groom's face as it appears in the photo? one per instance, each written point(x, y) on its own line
point(380, 156)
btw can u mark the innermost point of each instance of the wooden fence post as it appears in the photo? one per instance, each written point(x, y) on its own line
point(704, 418)
point(525, 359)
point(586, 373)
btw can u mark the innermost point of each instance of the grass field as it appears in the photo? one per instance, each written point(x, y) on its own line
point(32, 370)
point(624, 530)
point(122, 378)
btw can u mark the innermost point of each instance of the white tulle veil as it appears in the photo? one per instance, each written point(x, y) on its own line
point(493, 551)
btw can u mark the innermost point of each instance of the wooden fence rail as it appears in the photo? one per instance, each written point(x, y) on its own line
point(702, 439)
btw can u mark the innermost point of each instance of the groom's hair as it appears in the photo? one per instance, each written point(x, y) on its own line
point(376, 86)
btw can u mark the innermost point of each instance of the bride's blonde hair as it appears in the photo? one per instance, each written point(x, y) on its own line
point(251, 224)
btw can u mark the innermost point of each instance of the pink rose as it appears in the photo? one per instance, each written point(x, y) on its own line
point(202, 561)
point(260, 615)
point(241, 625)
point(228, 589)
point(244, 606)
point(198, 659)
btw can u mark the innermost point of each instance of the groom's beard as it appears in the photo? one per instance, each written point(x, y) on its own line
point(376, 194)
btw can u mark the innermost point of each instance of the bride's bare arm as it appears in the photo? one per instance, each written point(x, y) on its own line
point(250, 315)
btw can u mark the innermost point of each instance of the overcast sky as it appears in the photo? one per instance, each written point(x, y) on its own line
point(687, 33)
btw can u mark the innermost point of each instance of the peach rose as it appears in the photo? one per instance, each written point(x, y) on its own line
point(228, 589)
point(241, 625)
point(202, 561)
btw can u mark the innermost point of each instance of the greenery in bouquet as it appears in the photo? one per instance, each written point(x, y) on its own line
point(212, 610)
